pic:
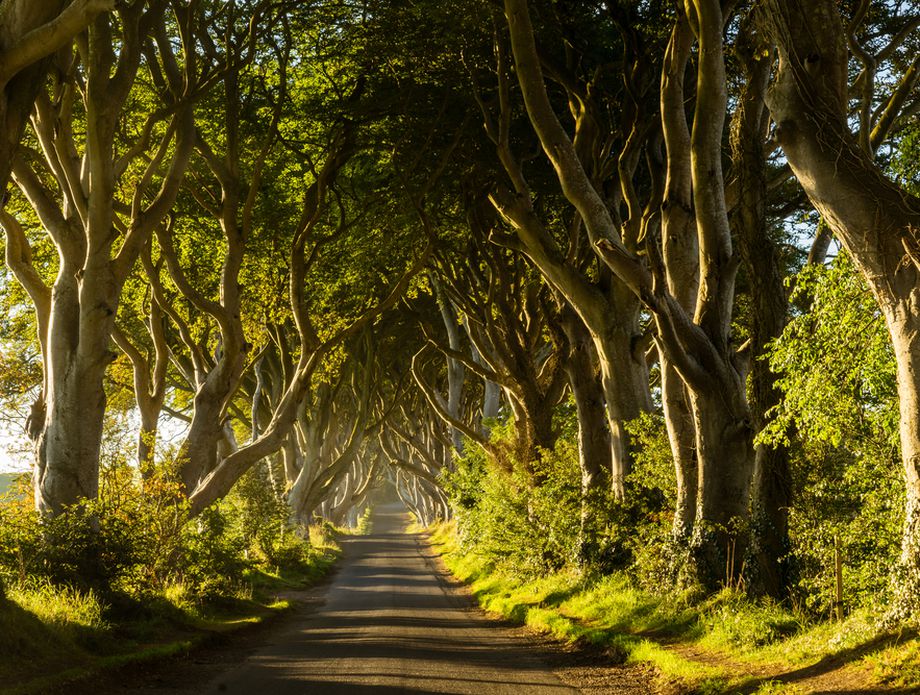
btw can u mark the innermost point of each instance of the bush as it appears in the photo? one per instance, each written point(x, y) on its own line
point(525, 520)
point(137, 541)
point(529, 518)
point(81, 548)
point(837, 372)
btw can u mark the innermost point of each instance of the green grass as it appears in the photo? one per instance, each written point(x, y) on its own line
point(897, 665)
point(725, 643)
point(54, 635)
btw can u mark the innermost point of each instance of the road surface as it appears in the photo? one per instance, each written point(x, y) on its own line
point(387, 624)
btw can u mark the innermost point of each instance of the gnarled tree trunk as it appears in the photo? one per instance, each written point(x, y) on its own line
point(681, 258)
point(701, 349)
point(593, 436)
point(769, 569)
point(84, 228)
point(875, 219)
point(30, 32)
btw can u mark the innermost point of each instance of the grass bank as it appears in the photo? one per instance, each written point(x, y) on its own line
point(50, 636)
point(722, 644)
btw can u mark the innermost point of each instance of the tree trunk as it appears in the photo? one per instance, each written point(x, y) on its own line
point(905, 332)
point(724, 433)
point(874, 218)
point(594, 452)
point(682, 437)
point(772, 486)
point(681, 255)
point(68, 445)
point(456, 372)
point(593, 438)
point(625, 380)
point(146, 440)
point(726, 461)
point(533, 423)
point(491, 392)
point(199, 453)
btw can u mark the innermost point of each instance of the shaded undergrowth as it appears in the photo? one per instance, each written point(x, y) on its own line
point(52, 634)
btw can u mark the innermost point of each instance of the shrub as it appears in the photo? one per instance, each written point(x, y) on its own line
point(137, 540)
point(525, 520)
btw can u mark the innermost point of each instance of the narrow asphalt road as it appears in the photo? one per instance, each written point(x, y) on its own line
point(387, 624)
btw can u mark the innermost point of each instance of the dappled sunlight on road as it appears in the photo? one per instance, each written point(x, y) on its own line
point(387, 625)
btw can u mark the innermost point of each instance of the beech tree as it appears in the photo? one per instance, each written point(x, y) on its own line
point(30, 33)
point(98, 232)
point(607, 307)
point(506, 309)
point(699, 345)
point(874, 218)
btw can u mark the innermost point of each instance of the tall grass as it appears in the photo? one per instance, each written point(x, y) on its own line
point(61, 607)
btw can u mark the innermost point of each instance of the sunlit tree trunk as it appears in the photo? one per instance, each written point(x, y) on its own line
point(624, 378)
point(876, 220)
point(67, 450)
point(680, 255)
point(609, 309)
point(30, 32)
point(85, 228)
point(701, 350)
point(593, 436)
point(455, 370)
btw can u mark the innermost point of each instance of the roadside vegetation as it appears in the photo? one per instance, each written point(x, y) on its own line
point(725, 643)
point(131, 578)
point(621, 582)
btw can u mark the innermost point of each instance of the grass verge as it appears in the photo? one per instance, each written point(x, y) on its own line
point(722, 644)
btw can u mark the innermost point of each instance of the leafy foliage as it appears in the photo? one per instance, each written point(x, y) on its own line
point(837, 367)
point(525, 520)
point(837, 375)
point(524, 526)
point(136, 540)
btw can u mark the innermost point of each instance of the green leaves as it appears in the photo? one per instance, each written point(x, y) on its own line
point(836, 366)
point(840, 409)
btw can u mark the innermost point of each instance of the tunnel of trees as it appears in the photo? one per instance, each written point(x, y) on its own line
point(617, 286)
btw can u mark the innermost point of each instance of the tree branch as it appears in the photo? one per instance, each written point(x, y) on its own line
point(49, 37)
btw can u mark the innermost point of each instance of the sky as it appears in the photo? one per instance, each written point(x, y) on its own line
point(15, 447)
point(13, 450)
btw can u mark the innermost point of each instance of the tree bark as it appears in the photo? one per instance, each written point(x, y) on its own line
point(30, 32)
point(593, 436)
point(680, 256)
point(875, 219)
point(67, 449)
point(772, 485)
point(612, 314)
point(613, 322)
point(455, 370)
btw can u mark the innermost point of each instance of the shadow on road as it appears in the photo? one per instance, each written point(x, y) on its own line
point(386, 625)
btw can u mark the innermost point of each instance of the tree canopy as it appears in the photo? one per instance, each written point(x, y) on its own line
point(566, 258)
